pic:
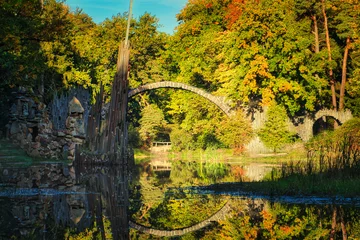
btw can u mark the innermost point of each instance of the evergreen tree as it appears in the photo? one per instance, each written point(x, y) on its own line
point(152, 124)
point(275, 133)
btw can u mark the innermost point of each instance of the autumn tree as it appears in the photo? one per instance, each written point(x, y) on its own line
point(236, 131)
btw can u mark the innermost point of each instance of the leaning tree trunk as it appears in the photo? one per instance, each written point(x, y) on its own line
point(343, 77)
point(331, 74)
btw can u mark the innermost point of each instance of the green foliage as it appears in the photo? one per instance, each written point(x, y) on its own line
point(196, 116)
point(27, 26)
point(275, 133)
point(152, 124)
point(236, 131)
point(133, 137)
point(180, 139)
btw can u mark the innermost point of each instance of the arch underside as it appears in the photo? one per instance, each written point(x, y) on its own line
point(220, 215)
point(217, 100)
point(340, 116)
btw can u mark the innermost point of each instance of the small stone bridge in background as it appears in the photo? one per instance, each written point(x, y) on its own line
point(220, 215)
point(305, 128)
point(221, 102)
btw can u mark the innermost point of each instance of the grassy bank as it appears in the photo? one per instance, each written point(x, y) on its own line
point(297, 185)
point(294, 152)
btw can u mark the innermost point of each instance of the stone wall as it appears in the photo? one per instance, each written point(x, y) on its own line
point(30, 127)
point(302, 125)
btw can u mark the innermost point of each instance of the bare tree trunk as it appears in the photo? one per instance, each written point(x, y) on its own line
point(333, 224)
point(316, 34)
point(343, 77)
point(331, 74)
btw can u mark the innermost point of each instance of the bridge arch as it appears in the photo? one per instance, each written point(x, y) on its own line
point(341, 116)
point(221, 102)
point(305, 129)
point(219, 215)
point(322, 116)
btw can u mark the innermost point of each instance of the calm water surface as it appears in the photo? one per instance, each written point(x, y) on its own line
point(50, 200)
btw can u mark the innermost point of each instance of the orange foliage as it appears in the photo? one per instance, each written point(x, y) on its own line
point(268, 221)
point(234, 11)
point(286, 86)
point(286, 229)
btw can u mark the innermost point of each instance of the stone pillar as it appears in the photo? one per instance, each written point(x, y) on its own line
point(75, 132)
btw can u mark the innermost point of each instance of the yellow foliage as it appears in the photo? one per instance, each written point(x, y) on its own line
point(286, 86)
point(268, 97)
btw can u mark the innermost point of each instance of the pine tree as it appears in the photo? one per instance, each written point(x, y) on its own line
point(275, 133)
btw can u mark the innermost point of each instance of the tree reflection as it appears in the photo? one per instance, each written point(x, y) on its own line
point(265, 220)
point(254, 219)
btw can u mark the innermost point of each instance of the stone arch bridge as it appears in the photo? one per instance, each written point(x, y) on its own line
point(221, 102)
point(303, 127)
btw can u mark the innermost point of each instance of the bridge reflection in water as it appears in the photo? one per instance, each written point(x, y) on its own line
point(53, 201)
point(33, 207)
point(220, 215)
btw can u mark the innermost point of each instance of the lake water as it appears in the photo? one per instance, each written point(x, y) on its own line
point(50, 200)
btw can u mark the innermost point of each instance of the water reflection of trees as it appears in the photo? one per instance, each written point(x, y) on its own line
point(283, 221)
point(178, 210)
point(193, 172)
point(254, 219)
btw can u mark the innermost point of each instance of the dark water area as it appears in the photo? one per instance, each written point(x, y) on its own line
point(54, 200)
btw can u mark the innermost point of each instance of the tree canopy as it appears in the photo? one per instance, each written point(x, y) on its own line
point(301, 55)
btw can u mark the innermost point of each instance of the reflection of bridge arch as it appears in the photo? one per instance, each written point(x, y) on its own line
point(217, 100)
point(168, 233)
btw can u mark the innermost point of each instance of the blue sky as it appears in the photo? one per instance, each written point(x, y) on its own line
point(164, 10)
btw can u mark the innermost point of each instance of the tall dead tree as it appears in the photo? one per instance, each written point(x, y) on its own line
point(107, 141)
